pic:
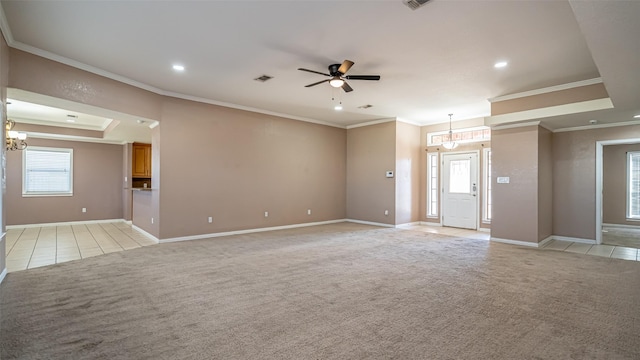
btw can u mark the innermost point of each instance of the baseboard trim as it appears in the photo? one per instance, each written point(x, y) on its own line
point(3, 274)
point(370, 223)
point(408, 224)
point(248, 231)
point(515, 242)
point(430, 223)
point(136, 228)
point(622, 226)
point(573, 239)
point(487, 230)
point(65, 223)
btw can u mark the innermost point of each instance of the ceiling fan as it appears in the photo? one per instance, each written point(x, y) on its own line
point(337, 74)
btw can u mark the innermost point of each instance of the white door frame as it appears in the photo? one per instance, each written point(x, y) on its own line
point(478, 171)
point(599, 164)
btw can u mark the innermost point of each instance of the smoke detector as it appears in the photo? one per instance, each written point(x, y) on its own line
point(415, 4)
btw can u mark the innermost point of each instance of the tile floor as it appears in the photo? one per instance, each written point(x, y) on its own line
point(33, 247)
point(610, 251)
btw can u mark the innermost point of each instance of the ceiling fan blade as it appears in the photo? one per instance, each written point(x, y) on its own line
point(346, 87)
point(316, 83)
point(313, 71)
point(363, 77)
point(346, 65)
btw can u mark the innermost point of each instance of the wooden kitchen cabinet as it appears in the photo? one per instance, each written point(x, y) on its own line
point(141, 160)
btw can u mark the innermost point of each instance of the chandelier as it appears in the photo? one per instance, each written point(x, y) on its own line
point(450, 144)
point(15, 140)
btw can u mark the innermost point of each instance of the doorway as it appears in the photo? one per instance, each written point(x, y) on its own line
point(460, 190)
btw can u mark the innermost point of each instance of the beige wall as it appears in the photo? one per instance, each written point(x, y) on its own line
point(234, 165)
point(229, 164)
point(614, 184)
point(407, 173)
point(545, 184)
point(97, 186)
point(554, 98)
point(515, 205)
point(574, 174)
point(370, 154)
point(42, 76)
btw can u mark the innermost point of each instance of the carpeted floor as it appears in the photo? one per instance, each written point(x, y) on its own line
point(343, 291)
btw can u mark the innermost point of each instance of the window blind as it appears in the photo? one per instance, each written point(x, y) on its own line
point(633, 185)
point(47, 171)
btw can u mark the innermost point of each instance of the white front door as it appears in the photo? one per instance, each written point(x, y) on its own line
point(460, 190)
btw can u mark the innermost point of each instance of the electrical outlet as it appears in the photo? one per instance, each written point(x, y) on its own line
point(266, 214)
point(152, 220)
point(386, 212)
point(308, 211)
point(210, 219)
point(84, 210)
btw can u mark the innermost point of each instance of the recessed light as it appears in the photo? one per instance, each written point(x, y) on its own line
point(637, 116)
point(178, 67)
point(500, 64)
point(337, 107)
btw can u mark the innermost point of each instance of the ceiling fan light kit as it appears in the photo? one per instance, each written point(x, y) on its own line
point(338, 78)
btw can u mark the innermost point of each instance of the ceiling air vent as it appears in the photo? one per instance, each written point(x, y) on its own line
point(414, 4)
point(263, 78)
point(365, 106)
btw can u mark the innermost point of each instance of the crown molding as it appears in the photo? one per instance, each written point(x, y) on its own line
point(37, 135)
point(546, 90)
point(369, 123)
point(599, 126)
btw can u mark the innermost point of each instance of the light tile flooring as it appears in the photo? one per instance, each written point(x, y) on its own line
point(610, 251)
point(33, 247)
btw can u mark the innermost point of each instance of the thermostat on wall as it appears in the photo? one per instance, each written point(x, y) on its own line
point(390, 174)
point(503, 180)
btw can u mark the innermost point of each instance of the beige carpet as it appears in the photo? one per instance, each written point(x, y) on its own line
point(342, 291)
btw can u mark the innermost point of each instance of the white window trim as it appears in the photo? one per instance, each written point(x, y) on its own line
point(486, 183)
point(628, 214)
point(430, 157)
point(46, 194)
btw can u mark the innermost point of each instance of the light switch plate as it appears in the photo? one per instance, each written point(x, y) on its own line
point(389, 174)
point(503, 179)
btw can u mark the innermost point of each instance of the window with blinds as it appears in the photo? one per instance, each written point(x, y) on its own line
point(47, 171)
point(633, 185)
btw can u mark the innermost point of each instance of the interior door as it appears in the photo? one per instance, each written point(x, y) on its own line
point(460, 190)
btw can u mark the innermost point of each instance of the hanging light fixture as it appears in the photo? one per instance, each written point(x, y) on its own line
point(14, 140)
point(450, 144)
